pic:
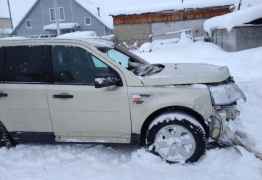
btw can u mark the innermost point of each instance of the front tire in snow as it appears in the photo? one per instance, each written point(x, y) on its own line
point(176, 137)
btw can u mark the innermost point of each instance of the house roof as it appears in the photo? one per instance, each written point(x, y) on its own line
point(20, 8)
point(237, 18)
point(92, 5)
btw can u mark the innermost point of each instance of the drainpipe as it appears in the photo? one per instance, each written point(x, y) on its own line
point(58, 32)
point(10, 15)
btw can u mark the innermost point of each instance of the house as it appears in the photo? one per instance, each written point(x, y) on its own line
point(5, 26)
point(5, 23)
point(38, 17)
point(237, 30)
point(167, 20)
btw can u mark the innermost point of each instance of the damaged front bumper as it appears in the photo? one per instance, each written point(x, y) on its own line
point(224, 100)
point(219, 120)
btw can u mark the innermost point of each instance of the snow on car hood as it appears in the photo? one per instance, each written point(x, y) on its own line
point(187, 73)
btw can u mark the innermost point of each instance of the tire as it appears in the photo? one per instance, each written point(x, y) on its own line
point(5, 139)
point(2, 142)
point(178, 134)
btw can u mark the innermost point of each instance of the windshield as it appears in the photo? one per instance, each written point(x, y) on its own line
point(131, 61)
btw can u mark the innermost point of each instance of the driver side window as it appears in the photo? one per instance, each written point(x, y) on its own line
point(72, 65)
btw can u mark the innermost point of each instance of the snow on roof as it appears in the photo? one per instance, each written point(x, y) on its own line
point(90, 37)
point(146, 6)
point(92, 5)
point(61, 25)
point(230, 20)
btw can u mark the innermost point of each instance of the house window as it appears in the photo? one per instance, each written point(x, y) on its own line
point(62, 13)
point(52, 14)
point(88, 21)
point(28, 24)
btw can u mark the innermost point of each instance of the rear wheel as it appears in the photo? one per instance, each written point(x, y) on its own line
point(5, 139)
point(176, 137)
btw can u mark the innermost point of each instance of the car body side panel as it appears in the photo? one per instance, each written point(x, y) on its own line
point(155, 98)
point(25, 109)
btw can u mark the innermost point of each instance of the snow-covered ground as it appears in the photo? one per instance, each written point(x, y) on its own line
point(78, 162)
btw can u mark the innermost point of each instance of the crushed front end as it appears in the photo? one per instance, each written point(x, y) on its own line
point(224, 99)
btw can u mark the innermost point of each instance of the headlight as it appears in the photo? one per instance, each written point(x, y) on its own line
point(226, 94)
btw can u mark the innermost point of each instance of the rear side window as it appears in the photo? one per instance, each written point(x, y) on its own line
point(1, 63)
point(28, 64)
point(72, 65)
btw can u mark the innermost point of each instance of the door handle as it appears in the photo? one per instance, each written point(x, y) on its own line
point(2, 94)
point(63, 96)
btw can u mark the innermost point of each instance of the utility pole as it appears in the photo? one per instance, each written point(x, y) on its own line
point(10, 15)
point(57, 18)
point(239, 5)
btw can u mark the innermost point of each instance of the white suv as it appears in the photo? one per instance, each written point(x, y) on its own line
point(57, 91)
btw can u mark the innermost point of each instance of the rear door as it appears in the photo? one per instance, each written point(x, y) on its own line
point(1, 64)
point(23, 94)
point(80, 112)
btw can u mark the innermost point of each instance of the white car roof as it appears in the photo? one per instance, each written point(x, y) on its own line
point(96, 42)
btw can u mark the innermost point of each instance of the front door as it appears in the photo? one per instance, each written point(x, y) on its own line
point(80, 112)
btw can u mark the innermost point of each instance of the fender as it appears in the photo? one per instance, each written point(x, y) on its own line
point(189, 99)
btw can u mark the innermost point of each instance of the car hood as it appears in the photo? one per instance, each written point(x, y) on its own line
point(187, 73)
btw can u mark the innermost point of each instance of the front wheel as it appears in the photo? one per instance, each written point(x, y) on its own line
point(176, 137)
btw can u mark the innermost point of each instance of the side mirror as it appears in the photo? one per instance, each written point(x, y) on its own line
point(101, 82)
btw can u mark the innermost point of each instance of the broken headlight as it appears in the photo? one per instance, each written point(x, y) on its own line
point(226, 94)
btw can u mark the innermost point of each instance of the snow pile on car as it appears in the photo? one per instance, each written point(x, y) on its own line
point(78, 35)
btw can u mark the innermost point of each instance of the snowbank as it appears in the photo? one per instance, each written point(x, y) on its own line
point(230, 20)
point(79, 162)
point(61, 25)
point(78, 35)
